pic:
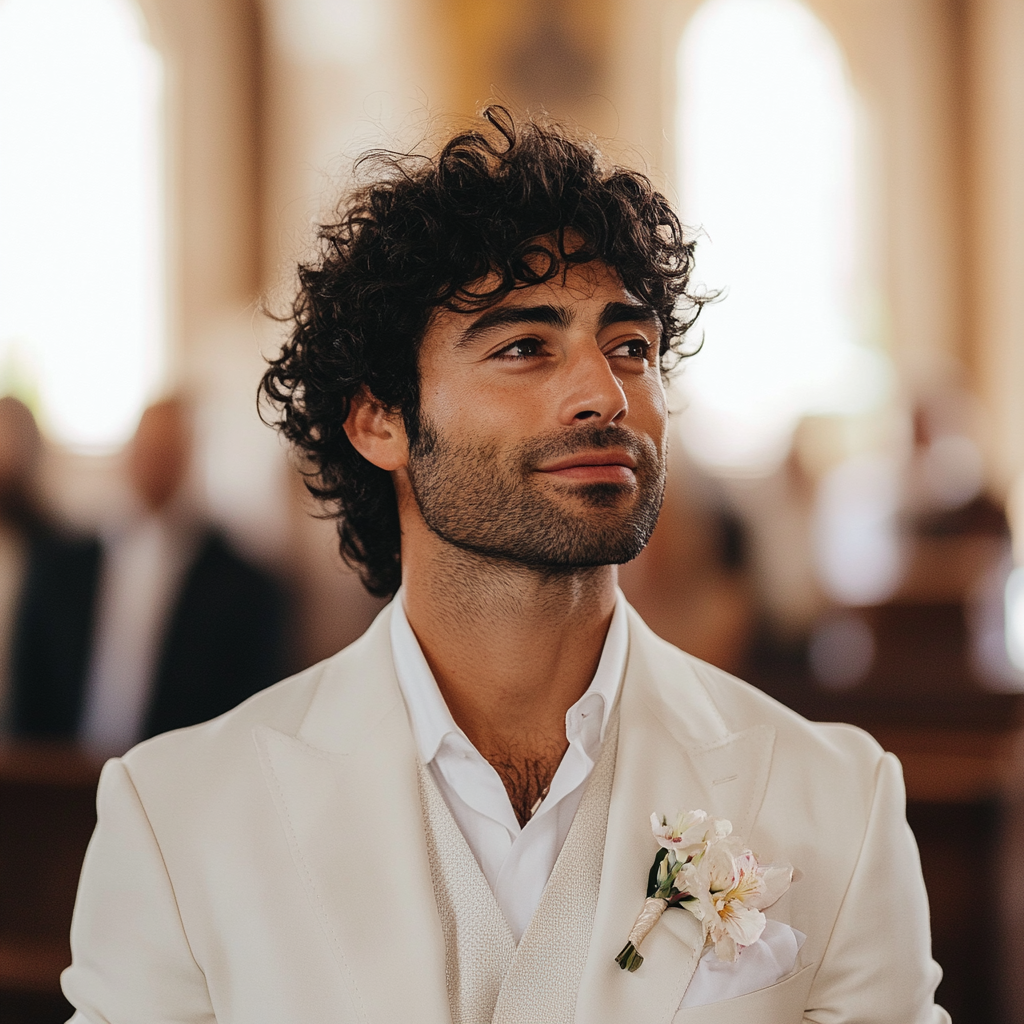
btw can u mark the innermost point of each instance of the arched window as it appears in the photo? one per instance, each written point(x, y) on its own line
point(81, 214)
point(768, 159)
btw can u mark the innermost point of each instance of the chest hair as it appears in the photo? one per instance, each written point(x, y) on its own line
point(526, 776)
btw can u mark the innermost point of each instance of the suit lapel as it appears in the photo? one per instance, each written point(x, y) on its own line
point(345, 788)
point(346, 791)
point(675, 753)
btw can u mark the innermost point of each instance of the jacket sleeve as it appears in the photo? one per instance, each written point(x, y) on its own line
point(877, 965)
point(131, 961)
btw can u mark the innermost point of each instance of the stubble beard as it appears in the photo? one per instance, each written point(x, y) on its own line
point(492, 503)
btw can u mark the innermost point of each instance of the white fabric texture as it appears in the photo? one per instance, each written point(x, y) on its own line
point(761, 964)
point(142, 568)
point(478, 944)
point(489, 977)
point(271, 865)
point(515, 861)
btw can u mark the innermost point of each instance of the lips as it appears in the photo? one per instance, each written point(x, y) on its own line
point(608, 466)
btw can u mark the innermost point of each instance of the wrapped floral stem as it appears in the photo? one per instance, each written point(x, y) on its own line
point(662, 892)
point(630, 959)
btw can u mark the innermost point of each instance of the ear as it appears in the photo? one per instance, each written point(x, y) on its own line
point(377, 433)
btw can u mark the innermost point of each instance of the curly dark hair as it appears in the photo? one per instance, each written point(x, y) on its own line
point(489, 214)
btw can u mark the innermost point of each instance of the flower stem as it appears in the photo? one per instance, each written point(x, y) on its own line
point(630, 959)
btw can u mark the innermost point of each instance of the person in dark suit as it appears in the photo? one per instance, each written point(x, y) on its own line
point(158, 625)
point(23, 522)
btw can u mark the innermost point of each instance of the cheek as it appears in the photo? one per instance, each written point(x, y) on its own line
point(455, 408)
point(443, 395)
point(648, 407)
point(469, 406)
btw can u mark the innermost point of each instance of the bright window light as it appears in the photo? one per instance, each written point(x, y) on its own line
point(81, 246)
point(768, 159)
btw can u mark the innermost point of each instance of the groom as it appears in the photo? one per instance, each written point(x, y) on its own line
point(449, 821)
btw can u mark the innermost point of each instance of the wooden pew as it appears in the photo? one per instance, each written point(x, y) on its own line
point(47, 814)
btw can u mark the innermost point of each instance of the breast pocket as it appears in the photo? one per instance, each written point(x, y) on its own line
point(777, 1004)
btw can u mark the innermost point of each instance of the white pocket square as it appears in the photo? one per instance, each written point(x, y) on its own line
point(761, 964)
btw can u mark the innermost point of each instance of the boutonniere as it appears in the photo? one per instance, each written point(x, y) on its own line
point(705, 869)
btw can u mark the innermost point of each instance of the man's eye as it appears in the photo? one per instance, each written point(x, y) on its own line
point(524, 348)
point(635, 348)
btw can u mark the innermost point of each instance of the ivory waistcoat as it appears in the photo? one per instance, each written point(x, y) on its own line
point(490, 978)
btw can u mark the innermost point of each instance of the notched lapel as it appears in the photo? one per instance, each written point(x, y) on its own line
point(354, 825)
point(675, 753)
point(734, 774)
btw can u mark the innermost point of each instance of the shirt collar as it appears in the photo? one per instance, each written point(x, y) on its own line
point(432, 722)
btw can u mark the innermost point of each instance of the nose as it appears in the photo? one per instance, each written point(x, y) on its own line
point(590, 390)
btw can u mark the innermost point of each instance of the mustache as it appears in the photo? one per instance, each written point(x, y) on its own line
point(587, 438)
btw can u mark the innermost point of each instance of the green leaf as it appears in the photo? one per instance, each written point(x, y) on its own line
point(652, 878)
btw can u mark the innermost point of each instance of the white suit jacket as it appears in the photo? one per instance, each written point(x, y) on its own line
point(270, 866)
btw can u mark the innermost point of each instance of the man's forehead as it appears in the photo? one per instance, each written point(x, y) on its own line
point(593, 285)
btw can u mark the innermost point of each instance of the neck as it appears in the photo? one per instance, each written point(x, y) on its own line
point(512, 648)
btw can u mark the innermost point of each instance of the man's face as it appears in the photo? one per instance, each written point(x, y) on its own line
point(543, 423)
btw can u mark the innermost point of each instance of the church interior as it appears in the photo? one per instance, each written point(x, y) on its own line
point(844, 520)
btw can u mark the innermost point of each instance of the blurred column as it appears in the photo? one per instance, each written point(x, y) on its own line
point(339, 77)
point(212, 54)
point(998, 241)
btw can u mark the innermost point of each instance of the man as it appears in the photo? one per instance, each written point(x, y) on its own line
point(23, 524)
point(449, 820)
point(158, 625)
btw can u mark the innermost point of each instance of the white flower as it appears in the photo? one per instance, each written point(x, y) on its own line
point(708, 872)
point(689, 834)
point(716, 830)
point(732, 890)
point(675, 836)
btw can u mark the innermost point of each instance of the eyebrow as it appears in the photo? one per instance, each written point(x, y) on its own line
point(512, 316)
point(555, 316)
point(628, 313)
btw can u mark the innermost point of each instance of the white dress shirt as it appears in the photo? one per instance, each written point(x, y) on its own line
point(143, 566)
point(516, 861)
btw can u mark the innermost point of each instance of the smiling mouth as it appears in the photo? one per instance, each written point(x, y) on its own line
point(594, 467)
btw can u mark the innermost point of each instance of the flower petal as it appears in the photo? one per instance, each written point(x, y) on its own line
point(720, 866)
point(743, 924)
point(776, 879)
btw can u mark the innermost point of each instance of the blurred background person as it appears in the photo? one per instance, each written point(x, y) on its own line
point(156, 624)
point(21, 520)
